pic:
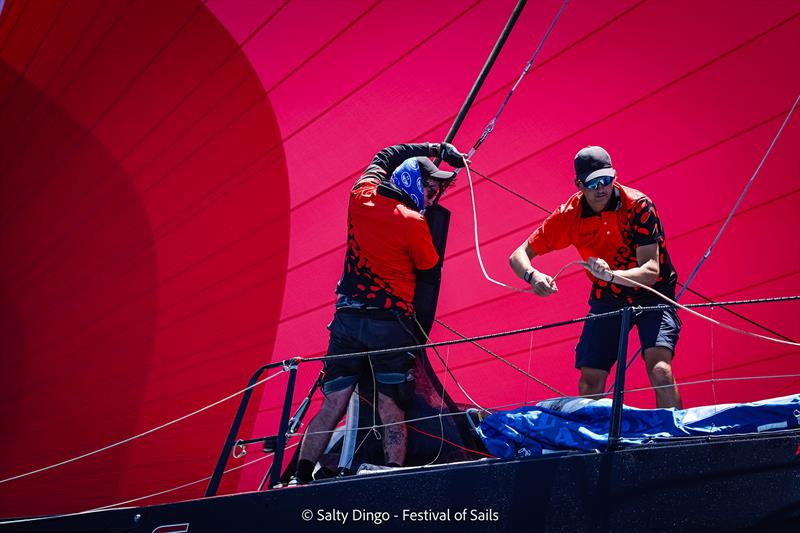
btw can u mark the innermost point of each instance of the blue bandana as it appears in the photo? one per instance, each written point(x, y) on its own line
point(408, 178)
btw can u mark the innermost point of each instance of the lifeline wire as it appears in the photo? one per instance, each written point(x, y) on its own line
point(441, 410)
point(144, 433)
point(440, 416)
point(551, 325)
point(589, 396)
point(140, 498)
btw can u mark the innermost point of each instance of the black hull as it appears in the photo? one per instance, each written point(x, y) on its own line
point(721, 485)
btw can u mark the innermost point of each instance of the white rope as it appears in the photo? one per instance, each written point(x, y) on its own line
point(584, 265)
point(478, 246)
point(704, 317)
point(475, 227)
point(140, 435)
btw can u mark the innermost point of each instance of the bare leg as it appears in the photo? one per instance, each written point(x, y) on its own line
point(395, 435)
point(592, 381)
point(333, 407)
point(658, 360)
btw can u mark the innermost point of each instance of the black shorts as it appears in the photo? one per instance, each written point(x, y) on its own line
point(599, 341)
point(361, 331)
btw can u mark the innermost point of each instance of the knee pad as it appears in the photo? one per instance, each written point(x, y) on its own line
point(397, 386)
point(338, 383)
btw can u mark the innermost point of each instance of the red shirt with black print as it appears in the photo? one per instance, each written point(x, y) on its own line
point(387, 241)
point(630, 220)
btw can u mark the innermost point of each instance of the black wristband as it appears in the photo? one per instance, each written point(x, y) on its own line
point(528, 275)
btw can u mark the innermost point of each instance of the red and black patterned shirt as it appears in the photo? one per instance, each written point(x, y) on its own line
point(387, 240)
point(629, 221)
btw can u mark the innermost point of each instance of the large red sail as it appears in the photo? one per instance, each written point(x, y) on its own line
point(173, 195)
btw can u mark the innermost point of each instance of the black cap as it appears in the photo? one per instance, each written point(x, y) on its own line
point(593, 162)
point(429, 170)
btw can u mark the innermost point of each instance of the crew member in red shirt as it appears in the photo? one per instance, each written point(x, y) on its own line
point(617, 231)
point(388, 241)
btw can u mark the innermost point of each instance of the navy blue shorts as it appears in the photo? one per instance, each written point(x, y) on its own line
point(361, 331)
point(599, 341)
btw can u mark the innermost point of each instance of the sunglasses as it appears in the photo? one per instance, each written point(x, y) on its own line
point(605, 181)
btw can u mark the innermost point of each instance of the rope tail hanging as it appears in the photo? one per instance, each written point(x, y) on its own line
point(488, 129)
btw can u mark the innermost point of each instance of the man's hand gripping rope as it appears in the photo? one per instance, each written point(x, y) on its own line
point(544, 285)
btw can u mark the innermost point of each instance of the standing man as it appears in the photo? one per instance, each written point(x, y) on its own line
point(616, 230)
point(388, 241)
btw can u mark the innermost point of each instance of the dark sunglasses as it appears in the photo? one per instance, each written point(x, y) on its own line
point(605, 181)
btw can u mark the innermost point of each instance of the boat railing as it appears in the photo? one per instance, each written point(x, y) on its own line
point(277, 443)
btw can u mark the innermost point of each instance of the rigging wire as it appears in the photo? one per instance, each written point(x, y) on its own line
point(707, 254)
point(490, 126)
point(515, 193)
point(145, 433)
point(502, 359)
point(433, 345)
point(696, 293)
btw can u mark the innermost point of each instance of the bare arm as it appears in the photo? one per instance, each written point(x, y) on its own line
point(646, 273)
point(520, 261)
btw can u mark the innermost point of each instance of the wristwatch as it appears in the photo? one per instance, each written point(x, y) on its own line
point(528, 275)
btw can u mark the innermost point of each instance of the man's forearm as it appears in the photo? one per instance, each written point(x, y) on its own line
point(520, 263)
point(389, 158)
point(645, 274)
